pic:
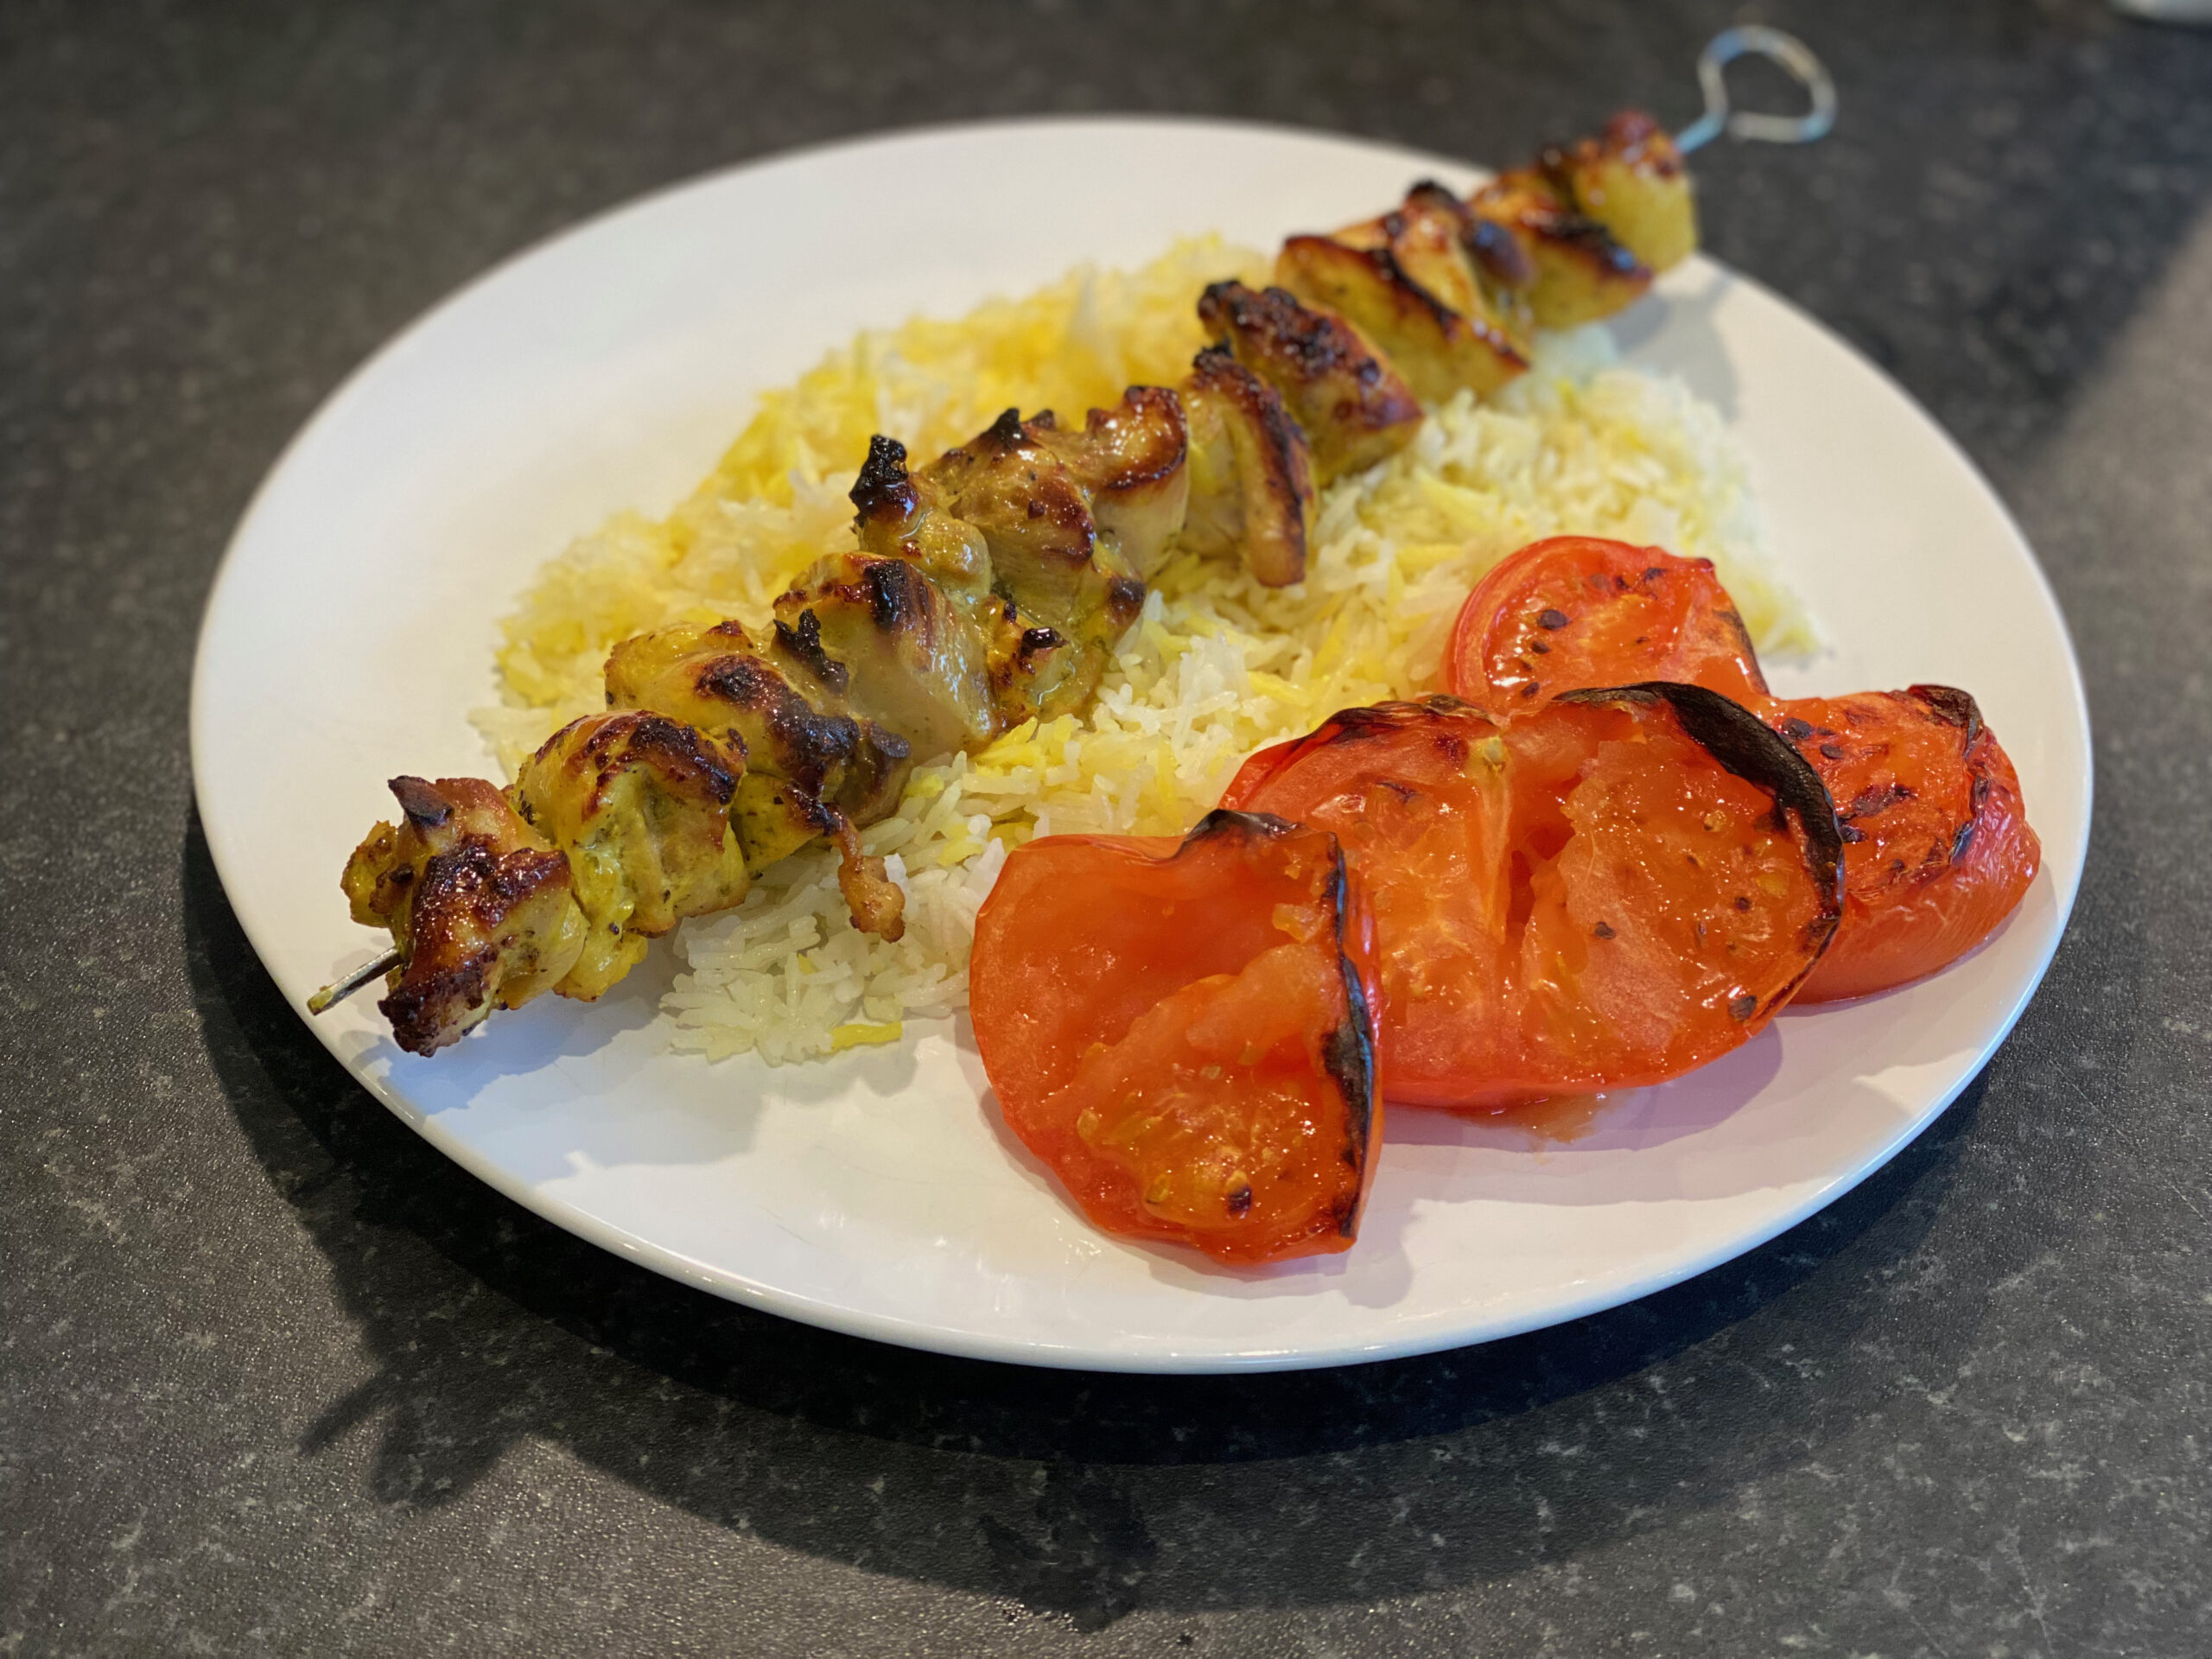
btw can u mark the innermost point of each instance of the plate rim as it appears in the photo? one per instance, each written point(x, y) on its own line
point(902, 1331)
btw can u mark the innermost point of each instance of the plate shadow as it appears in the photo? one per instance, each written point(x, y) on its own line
point(1081, 1496)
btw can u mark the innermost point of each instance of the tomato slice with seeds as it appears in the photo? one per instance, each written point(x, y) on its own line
point(1938, 849)
point(1577, 611)
point(1602, 891)
point(1184, 1031)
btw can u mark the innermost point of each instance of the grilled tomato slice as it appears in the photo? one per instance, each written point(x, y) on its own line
point(1606, 890)
point(1937, 849)
point(1184, 1031)
point(1576, 611)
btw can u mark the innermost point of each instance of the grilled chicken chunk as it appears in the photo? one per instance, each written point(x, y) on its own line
point(1632, 180)
point(901, 515)
point(807, 773)
point(1437, 241)
point(1047, 553)
point(1251, 485)
point(1501, 272)
point(1579, 272)
point(717, 679)
point(641, 805)
point(481, 906)
point(1408, 282)
point(1354, 408)
point(879, 640)
point(877, 903)
point(1130, 460)
point(898, 515)
point(773, 817)
point(1032, 669)
point(1503, 266)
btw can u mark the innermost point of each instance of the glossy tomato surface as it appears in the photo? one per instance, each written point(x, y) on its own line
point(1597, 891)
point(1576, 611)
point(1938, 849)
point(1184, 1031)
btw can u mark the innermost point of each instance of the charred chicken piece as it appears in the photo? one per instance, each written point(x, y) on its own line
point(641, 805)
point(1502, 264)
point(1501, 273)
point(876, 639)
point(482, 906)
point(719, 680)
point(835, 770)
point(877, 903)
point(1435, 239)
point(903, 515)
point(1633, 180)
point(1354, 408)
point(1131, 459)
point(1047, 554)
point(1251, 485)
point(898, 515)
point(1030, 666)
point(1578, 272)
point(1379, 275)
point(772, 818)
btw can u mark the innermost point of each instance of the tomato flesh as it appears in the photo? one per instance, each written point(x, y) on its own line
point(1183, 1032)
point(1938, 849)
point(1578, 611)
point(1583, 895)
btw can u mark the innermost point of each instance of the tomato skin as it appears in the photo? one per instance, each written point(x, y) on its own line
point(1572, 612)
point(1183, 1032)
point(1912, 905)
point(1591, 892)
point(1938, 849)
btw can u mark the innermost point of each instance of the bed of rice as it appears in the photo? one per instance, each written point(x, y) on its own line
point(1217, 666)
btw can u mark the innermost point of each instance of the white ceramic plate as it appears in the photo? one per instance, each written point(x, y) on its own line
point(351, 629)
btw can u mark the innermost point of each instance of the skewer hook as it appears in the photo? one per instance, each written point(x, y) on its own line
point(1795, 58)
point(332, 994)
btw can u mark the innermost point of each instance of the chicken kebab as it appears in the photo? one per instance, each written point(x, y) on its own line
point(987, 587)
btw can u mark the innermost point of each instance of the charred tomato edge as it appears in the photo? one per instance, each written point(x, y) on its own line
point(1747, 747)
point(1348, 1053)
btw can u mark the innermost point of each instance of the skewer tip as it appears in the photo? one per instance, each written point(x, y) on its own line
point(332, 994)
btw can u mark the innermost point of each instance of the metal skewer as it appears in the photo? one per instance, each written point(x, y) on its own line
point(1794, 58)
point(330, 996)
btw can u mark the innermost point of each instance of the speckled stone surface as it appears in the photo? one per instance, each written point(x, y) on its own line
point(274, 1377)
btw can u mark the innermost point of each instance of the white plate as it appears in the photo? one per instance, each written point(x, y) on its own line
point(351, 629)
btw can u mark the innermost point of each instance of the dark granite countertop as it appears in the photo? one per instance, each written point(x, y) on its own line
point(274, 1376)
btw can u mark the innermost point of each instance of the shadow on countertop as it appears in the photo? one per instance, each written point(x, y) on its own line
point(1078, 1495)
